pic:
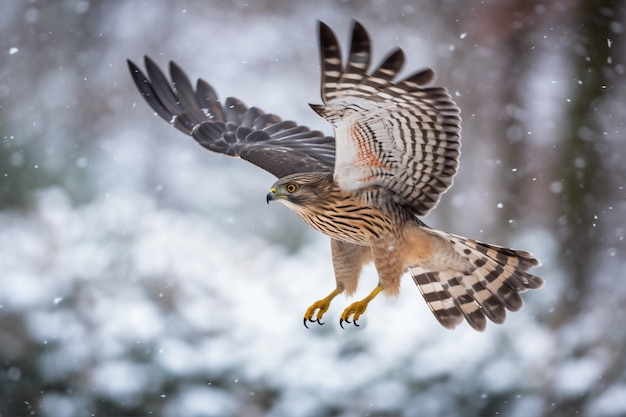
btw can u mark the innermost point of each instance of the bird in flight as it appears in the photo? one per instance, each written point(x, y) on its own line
point(395, 152)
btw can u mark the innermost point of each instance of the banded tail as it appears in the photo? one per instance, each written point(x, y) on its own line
point(491, 284)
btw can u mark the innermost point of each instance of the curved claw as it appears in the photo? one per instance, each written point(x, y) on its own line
point(312, 321)
point(342, 321)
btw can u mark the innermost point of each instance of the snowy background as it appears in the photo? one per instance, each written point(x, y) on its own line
point(142, 275)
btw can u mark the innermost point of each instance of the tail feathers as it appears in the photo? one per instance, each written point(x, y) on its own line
point(476, 281)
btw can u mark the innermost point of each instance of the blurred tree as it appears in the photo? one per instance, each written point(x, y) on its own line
point(587, 184)
point(16, 182)
point(38, 78)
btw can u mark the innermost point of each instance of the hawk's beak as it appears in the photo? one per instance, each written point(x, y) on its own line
point(271, 195)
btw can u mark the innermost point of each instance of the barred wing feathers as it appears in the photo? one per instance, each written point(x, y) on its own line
point(280, 147)
point(397, 135)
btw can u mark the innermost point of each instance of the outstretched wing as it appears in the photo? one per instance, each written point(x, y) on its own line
point(400, 136)
point(280, 147)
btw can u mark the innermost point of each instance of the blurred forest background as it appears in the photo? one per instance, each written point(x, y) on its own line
point(141, 275)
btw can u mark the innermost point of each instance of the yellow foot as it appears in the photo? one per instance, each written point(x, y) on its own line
point(357, 308)
point(320, 307)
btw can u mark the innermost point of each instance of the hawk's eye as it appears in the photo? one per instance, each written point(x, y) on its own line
point(291, 187)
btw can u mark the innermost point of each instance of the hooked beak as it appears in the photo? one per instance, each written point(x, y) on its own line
point(271, 196)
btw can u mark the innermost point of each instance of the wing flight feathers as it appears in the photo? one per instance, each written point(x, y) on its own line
point(399, 136)
point(280, 147)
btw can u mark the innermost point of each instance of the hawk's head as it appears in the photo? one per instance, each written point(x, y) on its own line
point(298, 191)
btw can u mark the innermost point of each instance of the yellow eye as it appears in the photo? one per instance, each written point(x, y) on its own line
point(291, 188)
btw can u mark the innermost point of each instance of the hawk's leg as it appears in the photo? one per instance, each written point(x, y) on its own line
point(348, 259)
point(356, 309)
point(320, 307)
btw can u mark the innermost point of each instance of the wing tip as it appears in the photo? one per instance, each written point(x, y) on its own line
point(326, 35)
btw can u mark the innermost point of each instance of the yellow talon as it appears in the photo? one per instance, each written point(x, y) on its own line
point(357, 308)
point(321, 307)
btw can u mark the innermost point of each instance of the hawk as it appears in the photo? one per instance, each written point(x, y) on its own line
point(395, 152)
